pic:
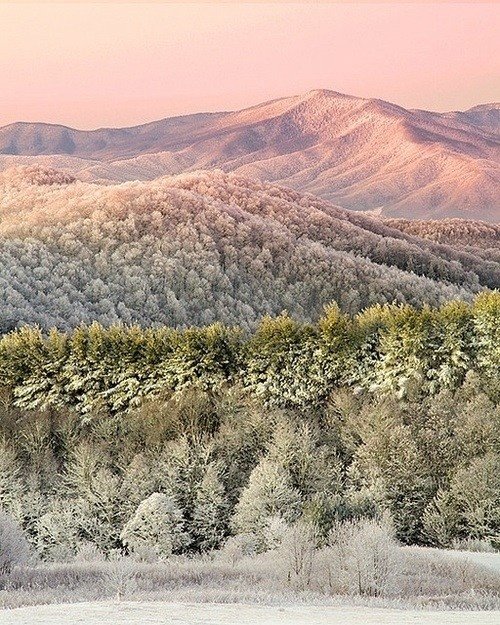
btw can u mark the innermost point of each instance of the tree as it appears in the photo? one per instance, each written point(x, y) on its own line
point(210, 514)
point(487, 336)
point(206, 358)
point(11, 485)
point(408, 350)
point(269, 493)
point(157, 525)
point(96, 492)
point(367, 556)
point(14, 550)
point(337, 342)
point(470, 506)
point(454, 345)
point(57, 537)
point(278, 363)
point(388, 460)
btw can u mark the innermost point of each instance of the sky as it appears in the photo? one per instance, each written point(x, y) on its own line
point(90, 65)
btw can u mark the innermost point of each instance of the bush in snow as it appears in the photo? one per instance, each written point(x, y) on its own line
point(238, 547)
point(298, 548)
point(364, 558)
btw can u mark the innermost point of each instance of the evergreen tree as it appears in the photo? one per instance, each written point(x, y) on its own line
point(408, 350)
point(487, 337)
point(210, 514)
point(279, 363)
point(388, 460)
point(95, 489)
point(269, 493)
point(470, 507)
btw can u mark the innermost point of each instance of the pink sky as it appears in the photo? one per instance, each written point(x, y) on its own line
point(115, 64)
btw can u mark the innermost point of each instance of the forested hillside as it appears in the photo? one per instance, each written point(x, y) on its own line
point(206, 247)
point(463, 233)
point(169, 438)
point(160, 441)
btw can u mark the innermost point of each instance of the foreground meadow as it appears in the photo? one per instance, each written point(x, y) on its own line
point(131, 613)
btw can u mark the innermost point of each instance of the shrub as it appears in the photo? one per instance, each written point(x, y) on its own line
point(298, 548)
point(238, 547)
point(364, 558)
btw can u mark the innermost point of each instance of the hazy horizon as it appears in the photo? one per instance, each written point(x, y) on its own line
point(113, 64)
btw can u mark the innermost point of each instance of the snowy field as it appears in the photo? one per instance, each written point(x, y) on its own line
point(486, 559)
point(129, 613)
point(178, 613)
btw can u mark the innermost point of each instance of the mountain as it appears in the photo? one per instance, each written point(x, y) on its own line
point(206, 246)
point(484, 116)
point(361, 154)
point(33, 139)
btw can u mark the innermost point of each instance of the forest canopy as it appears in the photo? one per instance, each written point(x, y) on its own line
point(206, 247)
point(285, 362)
point(171, 441)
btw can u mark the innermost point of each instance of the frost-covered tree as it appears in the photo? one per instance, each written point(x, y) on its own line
point(454, 345)
point(269, 494)
point(56, 531)
point(388, 459)
point(156, 525)
point(11, 485)
point(210, 513)
point(470, 506)
point(95, 489)
point(487, 335)
point(278, 365)
point(407, 347)
point(203, 357)
point(138, 481)
point(334, 358)
point(14, 549)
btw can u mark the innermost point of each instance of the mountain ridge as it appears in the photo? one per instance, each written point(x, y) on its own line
point(359, 153)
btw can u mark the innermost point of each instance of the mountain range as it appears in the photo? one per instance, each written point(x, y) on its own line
point(359, 154)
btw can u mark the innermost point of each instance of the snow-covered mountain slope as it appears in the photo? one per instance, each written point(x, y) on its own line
point(360, 154)
point(485, 116)
point(457, 232)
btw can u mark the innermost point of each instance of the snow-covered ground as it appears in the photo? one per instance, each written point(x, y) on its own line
point(489, 560)
point(128, 613)
point(175, 613)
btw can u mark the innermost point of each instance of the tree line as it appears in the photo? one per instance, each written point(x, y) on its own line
point(285, 362)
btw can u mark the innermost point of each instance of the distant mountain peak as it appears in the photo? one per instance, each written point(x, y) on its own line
point(485, 107)
point(328, 93)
